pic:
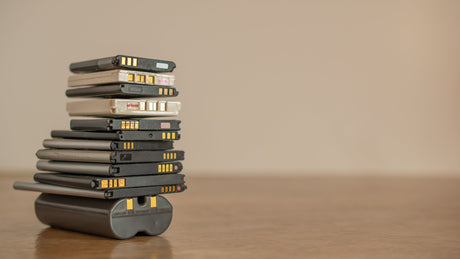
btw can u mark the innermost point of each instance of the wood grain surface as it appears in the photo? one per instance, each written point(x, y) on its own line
point(239, 217)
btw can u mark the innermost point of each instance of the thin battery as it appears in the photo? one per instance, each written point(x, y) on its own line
point(122, 91)
point(102, 169)
point(117, 135)
point(119, 124)
point(123, 62)
point(102, 183)
point(123, 108)
point(112, 157)
point(98, 194)
point(61, 143)
point(120, 76)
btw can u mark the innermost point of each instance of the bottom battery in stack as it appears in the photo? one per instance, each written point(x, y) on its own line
point(121, 218)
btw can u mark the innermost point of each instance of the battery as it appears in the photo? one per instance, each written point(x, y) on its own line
point(85, 144)
point(102, 183)
point(120, 219)
point(119, 124)
point(124, 62)
point(112, 157)
point(120, 76)
point(117, 135)
point(123, 108)
point(99, 194)
point(110, 169)
point(122, 91)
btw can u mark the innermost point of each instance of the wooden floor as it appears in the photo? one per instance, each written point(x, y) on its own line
point(334, 217)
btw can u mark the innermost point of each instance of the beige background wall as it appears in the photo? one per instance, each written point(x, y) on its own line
point(267, 86)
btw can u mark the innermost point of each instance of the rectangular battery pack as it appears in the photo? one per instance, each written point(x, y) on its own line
point(123, 62)
point(61, 143)
point(103, 183)
point(110, 169)
point(119, 124)
point(99, 194)
point(112, 157)
point(117, 135)
point(120, 219)
point(120, 76)
point(123, 108)
point(122, 91)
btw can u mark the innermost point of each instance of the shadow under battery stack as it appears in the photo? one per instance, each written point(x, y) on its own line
point(106, 174)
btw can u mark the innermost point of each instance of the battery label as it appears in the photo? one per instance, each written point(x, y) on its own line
point(162, 65)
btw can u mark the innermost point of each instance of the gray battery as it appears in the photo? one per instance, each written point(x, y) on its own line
point(120, 219)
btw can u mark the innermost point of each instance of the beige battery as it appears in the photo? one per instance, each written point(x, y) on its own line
point(121, 76)
point(123, 108)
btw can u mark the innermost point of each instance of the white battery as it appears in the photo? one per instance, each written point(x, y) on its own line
point(123, 108)
point(121, 76)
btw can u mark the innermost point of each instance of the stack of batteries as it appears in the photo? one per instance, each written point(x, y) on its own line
point(106, 173)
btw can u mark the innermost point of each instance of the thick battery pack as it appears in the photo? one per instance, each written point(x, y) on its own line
point(114, 108)
point(119, 124)
point(120, 219)
point(109, 194)
point(110, 169)
point(61, 143)
point(123, 62)
point(118, 135)
point(122, 91)
point(102, 183)
point(112, 157)
point(120, 76)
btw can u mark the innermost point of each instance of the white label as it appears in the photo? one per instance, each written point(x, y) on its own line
point(162, 106)
point(142, 106)
point(151, 106)
point(162, 65)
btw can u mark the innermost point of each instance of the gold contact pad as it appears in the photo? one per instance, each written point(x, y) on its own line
point(165, 168)
point(153, 202)
point(129, 61)
point(128, 145)
point(140, 78)
point(169, 188)
point(129, 204)
point(168, 135)
point(112, 183)
point(129, 125)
